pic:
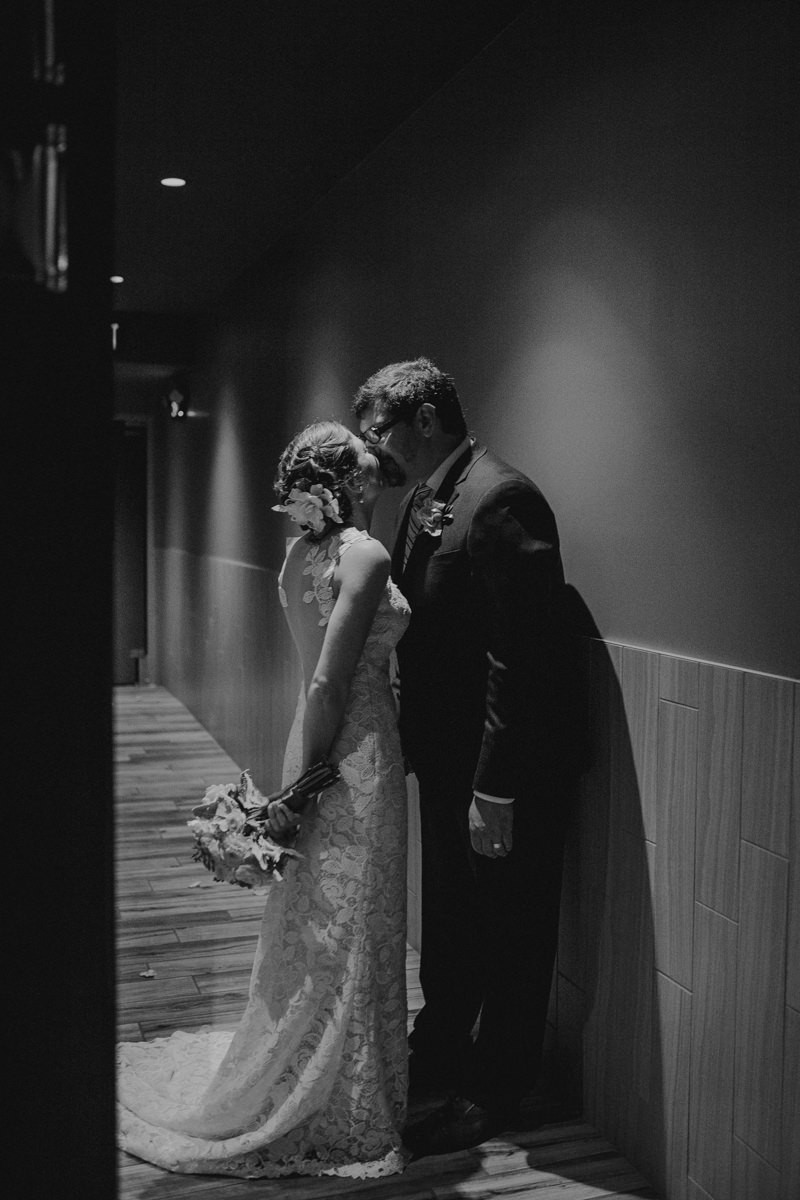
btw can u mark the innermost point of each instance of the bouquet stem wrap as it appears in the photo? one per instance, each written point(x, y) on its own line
point(297, 795)
point(229, 827)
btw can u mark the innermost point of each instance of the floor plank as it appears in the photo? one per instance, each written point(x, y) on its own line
point(184, 945)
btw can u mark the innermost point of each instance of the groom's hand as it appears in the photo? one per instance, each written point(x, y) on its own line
point(491, 827)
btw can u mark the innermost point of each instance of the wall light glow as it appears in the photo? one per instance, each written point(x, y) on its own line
point(173, 181)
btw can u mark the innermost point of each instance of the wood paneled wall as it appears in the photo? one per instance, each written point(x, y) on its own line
point(679, 963)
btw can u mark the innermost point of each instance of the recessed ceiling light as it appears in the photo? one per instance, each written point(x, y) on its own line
point(116, 279)
point(173, 181)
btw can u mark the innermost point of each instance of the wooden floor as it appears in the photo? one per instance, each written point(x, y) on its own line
point(185, 946)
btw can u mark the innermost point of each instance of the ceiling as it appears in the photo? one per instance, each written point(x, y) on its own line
point(261, 105)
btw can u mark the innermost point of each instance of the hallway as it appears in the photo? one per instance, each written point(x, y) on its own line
point(184, 949)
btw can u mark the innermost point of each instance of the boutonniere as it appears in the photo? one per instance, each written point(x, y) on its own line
point(434, 515)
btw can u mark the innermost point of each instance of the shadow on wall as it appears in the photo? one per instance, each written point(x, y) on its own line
point(609, 1041)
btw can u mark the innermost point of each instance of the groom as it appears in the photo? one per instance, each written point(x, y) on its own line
point(484, 719)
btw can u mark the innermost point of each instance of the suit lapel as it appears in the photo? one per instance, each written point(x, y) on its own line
point(447, 490)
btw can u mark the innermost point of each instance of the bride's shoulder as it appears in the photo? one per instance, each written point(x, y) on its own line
point(362, 553)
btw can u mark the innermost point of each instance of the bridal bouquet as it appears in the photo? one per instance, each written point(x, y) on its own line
point(229, 827)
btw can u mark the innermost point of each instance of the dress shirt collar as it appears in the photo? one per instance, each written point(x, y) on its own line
point(435, 480)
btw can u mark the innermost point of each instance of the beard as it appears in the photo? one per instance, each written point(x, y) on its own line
point(391, 471)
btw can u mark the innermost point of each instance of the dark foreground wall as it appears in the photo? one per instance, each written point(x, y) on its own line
point(56, 382)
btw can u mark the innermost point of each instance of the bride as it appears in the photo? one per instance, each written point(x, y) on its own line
point(313, 1080)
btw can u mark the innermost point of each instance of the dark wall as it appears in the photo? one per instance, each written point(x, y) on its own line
point(592, 229)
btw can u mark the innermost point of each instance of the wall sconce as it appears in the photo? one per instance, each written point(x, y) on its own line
point(176, 406)
point(176, 401)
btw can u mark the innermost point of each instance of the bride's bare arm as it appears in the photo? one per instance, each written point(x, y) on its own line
point(360, 576)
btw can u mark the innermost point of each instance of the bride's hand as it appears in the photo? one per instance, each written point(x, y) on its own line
point(280, 819)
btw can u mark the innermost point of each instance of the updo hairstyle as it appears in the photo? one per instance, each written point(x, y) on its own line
point(323, 453)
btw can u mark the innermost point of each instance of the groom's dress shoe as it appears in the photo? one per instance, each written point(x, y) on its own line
point(458, 1125)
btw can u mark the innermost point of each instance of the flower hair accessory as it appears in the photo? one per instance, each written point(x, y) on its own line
point(433, 516)
point(310, 505)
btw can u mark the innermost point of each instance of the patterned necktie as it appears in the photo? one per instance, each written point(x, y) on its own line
point(414, 523)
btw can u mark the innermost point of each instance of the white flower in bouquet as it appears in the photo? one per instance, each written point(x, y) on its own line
point(235, 854)
point(229, 826)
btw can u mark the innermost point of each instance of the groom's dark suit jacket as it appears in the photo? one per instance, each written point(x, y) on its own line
point(486, 671)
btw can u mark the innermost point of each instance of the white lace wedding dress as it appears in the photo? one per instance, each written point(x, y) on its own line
point(313, 1081)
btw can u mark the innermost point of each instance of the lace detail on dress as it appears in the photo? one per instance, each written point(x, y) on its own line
point(314, 1079)
point(321, 561)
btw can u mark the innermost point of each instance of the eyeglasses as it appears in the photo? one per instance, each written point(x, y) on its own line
point(376, 433)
